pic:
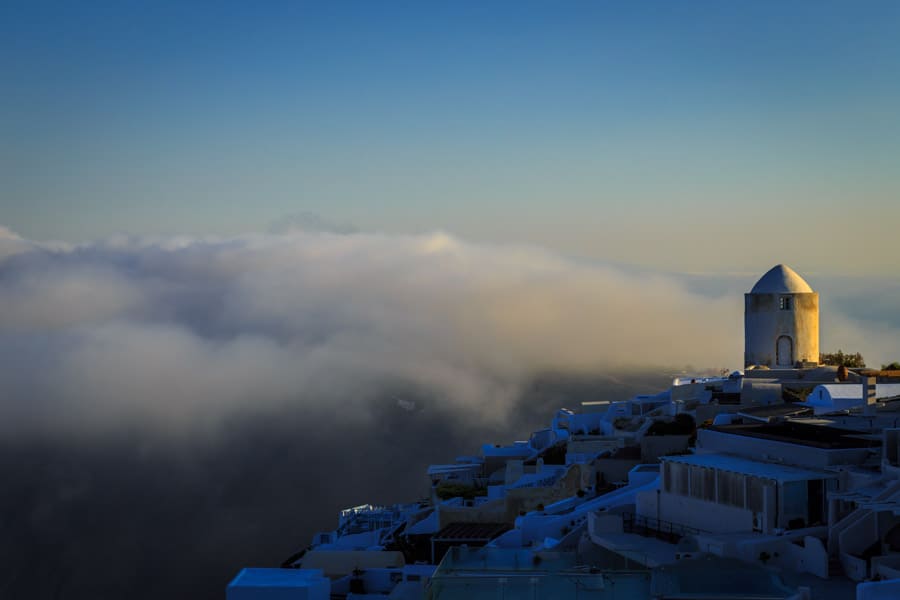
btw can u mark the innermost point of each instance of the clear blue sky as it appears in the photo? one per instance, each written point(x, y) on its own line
point(677, 135)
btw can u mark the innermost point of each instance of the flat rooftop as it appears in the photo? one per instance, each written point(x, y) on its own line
point(775, 410)
point(805, 434)
point(745, 466)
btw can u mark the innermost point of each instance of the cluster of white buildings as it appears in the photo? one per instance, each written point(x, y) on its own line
point(781, 480)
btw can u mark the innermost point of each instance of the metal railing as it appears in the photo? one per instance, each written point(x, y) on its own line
point(658, 528)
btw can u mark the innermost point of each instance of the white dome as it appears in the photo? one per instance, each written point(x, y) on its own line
point(781, 279)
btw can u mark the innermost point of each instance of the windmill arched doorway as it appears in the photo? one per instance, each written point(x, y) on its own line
point(784, 351)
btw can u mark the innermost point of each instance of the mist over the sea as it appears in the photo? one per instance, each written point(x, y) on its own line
point(172, 409)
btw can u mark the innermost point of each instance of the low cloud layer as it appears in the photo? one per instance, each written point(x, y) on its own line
point(183, 332)
point(174, 409)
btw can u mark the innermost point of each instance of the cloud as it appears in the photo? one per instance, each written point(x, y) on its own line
point(177, 332)
point(875, 340)
point(11, 243)
point(181, 333)
point(214, 401)
point(7, 234)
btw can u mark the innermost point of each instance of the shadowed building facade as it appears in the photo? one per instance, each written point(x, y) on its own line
point(781, 320)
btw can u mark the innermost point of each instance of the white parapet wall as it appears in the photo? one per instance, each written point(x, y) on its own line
point(878, 590)
point(279, 584)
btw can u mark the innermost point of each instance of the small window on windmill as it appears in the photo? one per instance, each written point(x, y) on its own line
point(784, 303)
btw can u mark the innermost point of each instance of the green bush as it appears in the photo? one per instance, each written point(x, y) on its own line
point(851, 361)
point(682, 424)
point(445, 491)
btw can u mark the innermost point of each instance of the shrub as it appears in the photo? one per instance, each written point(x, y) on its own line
point(446, 491)
point(683, 424)
point(852, 361)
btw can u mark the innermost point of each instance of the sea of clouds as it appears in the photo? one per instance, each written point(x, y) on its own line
point(180, 332)
point(175, 408)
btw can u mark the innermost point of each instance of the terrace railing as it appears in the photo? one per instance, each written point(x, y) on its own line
point(658, 528)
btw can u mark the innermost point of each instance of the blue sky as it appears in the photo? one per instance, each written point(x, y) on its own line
point(689, 136)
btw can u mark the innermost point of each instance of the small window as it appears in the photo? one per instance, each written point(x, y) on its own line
point(785, 303)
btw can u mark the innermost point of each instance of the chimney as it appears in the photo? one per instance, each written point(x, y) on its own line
point(868, 391)
point(842, 373)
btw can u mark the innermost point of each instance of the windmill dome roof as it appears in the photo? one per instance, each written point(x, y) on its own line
point(781, 279)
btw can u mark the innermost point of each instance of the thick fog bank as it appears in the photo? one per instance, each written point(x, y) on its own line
point(129, 515)
point(173, 409)
point(177, 334)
